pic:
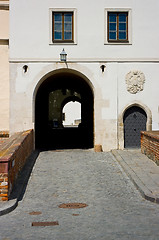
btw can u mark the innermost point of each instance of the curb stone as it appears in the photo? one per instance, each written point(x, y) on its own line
point(143, 189)
point(8, 206)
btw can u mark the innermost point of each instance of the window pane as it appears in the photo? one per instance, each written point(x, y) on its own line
point(122, 35)
point(58, 17)
point(112, 26)
point(122, 26)
point(58, 26)
point(68, 17)
point(122, 17)
point(68, 36)
point(57, 35)
point(112, 35)
point(112, 17)
point(68, 26)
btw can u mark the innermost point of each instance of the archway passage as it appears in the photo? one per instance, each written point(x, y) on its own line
point(53, 94)
point(72, 114)
point(135, 120)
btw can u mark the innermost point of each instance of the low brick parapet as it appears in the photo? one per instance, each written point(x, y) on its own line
point(150, 145)
point(4, 134)
point(13, 155)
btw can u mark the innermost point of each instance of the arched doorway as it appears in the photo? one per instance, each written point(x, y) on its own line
point(72, 114)
point(53, 94)
point(135, 120)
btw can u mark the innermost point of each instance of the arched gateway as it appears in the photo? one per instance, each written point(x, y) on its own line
point(52, 95)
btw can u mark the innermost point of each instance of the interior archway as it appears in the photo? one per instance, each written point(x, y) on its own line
point(71, 114)
point(51, 97)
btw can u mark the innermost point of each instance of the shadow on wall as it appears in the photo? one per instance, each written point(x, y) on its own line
point(23, 178)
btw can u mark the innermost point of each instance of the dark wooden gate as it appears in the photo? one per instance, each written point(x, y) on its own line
point(135, 120)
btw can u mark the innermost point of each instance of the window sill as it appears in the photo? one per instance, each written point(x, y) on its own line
point(117, 43)
point(62, 43)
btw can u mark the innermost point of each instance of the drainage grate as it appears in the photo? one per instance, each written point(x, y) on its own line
point(73, 205)
point(35, 213)
point(44, 224)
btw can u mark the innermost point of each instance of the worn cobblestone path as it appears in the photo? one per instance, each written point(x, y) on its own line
point(115, 208)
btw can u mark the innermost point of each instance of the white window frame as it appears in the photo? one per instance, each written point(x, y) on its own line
point(74, 10)
point(127, 10)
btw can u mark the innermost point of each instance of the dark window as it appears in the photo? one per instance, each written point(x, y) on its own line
point(117, 26)
point(62, 26)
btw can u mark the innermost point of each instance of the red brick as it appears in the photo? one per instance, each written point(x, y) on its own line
point(4, 195)
point(19, 152)
point(4, 198)
point(150, 144)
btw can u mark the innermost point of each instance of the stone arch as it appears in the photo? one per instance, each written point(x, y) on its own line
point(69, 99)
point(121, 124)
point(57, 71)
point(60, 80)
point(71, 112)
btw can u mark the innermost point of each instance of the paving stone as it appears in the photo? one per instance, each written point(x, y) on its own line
point(115, 208)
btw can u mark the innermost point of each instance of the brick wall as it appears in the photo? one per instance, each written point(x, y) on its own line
point(13, 156)
point(150, 145)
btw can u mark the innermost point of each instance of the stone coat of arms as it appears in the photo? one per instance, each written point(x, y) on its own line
point(135, 81)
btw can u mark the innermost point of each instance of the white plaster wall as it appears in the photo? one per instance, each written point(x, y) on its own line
point(148, 97)
point(29, 45)
point(29, 30)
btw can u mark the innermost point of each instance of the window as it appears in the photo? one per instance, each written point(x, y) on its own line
point(62, 26)
point(117, 26)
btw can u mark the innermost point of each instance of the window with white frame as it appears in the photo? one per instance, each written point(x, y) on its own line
point(62, 29)
point(118, 26)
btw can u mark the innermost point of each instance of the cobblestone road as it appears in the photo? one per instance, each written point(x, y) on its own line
point(115, 208)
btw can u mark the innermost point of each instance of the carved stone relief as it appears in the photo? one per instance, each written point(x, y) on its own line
point(135, 81)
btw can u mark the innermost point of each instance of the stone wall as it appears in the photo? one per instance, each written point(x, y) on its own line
point(13, 156)
point(150, 145)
